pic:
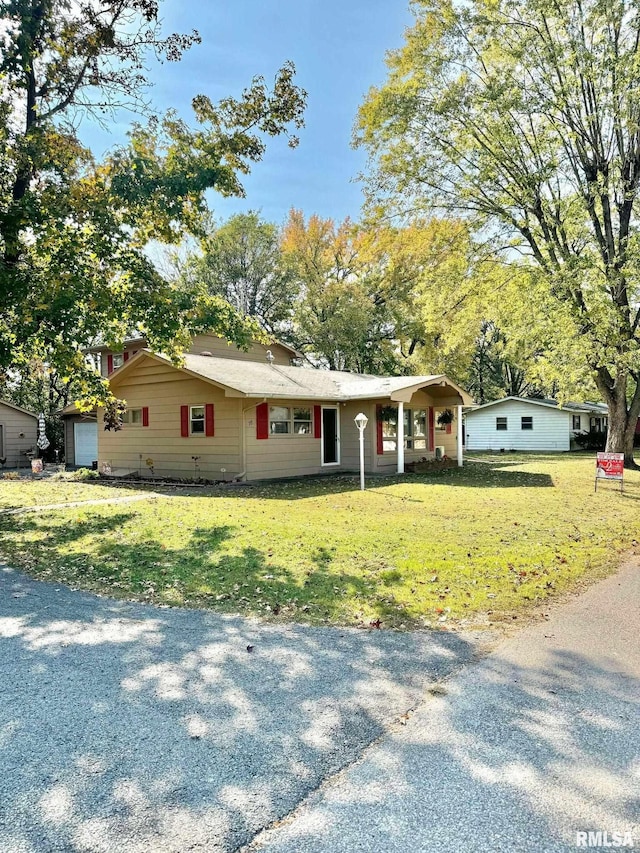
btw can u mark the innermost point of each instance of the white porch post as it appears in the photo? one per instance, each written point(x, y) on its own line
point(459, 416)
point(400, 437)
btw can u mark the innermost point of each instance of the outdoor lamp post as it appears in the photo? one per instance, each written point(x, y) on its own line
point(361, 420)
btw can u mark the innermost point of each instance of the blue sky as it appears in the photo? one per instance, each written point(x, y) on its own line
point(338, 48)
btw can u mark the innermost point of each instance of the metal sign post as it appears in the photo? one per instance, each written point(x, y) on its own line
point(610, 466)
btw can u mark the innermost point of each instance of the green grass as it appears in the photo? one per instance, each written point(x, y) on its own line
point(29, 492)
point(502, 534)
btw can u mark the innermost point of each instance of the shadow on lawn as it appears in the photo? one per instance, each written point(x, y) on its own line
point(195, 574)
point(130, 728)
point(476, 474)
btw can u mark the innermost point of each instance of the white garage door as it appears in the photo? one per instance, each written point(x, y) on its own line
point(86, 443)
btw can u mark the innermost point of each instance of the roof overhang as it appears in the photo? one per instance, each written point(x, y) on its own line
point(444, 385)
point(120, 374)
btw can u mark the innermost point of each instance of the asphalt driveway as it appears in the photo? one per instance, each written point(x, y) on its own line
point(125, 727)
point(535, 749)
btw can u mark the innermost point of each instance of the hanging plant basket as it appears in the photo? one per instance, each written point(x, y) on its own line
point(386, 413)
point(445, 417)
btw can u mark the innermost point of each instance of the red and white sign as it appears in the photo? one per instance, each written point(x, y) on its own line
point(610, 466)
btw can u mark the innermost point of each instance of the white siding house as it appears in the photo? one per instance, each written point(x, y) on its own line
point(516, 423)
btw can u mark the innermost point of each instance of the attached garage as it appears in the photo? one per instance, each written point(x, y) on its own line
point(85, 439)
point(80, 438)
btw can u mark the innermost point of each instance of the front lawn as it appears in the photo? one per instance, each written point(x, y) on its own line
point(28, 491)
point(502, 534)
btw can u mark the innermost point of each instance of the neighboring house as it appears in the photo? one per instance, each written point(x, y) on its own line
point(81, 430)
point(518, 423)
point(18, 435)
point(250, 418)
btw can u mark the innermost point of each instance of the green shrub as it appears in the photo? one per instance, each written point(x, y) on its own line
point(591, 440)
point(84, 474)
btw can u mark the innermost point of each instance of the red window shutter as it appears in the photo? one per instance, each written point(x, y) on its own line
point(208, 420)
point(448, 430)
point(184, 421)
point(145, 416)
point(432, 429)
point(379, 429)
point(109, 364)
point(126, 356)
point(262, 421)
point(317, 421)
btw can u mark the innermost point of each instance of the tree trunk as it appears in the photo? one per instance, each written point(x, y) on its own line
point(622, 417)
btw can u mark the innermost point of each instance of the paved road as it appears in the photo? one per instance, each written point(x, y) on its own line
point(131, 729)
point(538, 742)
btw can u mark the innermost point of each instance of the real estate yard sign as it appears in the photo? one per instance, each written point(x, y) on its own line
point(610, 466)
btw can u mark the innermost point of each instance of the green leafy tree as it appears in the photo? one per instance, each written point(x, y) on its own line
point(242, 262)
point(340, 318)
point(370, 292)
point(73, 231)
point(496, 370)
point(523, 115)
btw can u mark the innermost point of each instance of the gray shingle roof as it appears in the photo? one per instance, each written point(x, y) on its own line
point(257, 379)
point(583, 408)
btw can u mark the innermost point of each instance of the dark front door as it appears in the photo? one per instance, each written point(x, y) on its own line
point(330, 452)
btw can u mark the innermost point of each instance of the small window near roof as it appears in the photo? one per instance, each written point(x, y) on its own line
point(118, 360)
point(501, 424)
point(576, 422)
point(132, 416)
point(197, 420)
point(526, 422)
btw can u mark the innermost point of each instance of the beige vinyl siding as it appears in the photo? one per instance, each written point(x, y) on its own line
point(220, 348)
point(164, 390)
point(283, 455)
point(301, 455)
point(19, 433)
point(448, 440)
point(351, 437)
point(69, 435)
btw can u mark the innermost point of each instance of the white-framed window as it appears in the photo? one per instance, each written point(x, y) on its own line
point(576, 422)
point(526, 422)
point(501, 424)
point(389, 429)
point(196, 420)
point(118, 360)
point(302, 423)
point(415, 429)
point(133, 417)
point(286, 420)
